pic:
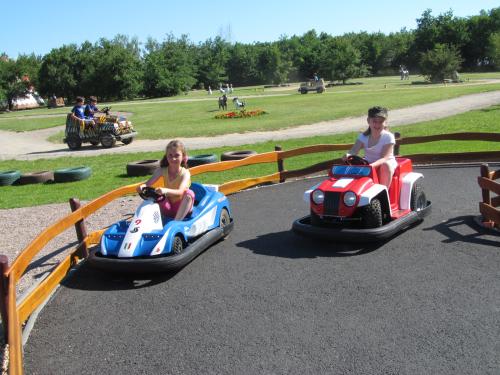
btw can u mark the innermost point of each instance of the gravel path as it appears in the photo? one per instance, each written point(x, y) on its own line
point(33, 145)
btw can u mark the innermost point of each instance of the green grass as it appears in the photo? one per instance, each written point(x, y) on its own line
point(170, 118)
point(109, 171)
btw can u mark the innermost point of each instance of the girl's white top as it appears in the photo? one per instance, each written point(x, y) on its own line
point(375, 152)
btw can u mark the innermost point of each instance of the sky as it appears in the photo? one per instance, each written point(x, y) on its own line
point(40, 26)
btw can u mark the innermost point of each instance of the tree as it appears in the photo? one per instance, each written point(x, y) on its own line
point(211, 60)
point(340, 61)
point(169, 68)
point(494, 49)
point(118, 69)
point(57, 72)
point(270, 65)
point(440, 62)
point(242, 65)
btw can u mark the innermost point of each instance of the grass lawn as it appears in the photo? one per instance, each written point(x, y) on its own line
point(109, 171)
point(168, 118)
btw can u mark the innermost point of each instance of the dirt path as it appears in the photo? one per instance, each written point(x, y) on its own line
point(33, 145)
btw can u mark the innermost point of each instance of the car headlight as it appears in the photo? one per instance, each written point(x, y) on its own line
point(349, 199)
point(318, 196)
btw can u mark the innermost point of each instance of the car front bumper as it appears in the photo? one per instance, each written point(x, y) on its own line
point(303, 227)
point(159, 263)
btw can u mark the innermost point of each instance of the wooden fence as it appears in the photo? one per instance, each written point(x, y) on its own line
point(15, 313)
point(489, 207)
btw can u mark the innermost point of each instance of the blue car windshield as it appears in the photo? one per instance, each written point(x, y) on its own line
point(351, 170)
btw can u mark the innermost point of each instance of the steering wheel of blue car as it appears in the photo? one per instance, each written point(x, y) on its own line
point(356, 160)
point(148, 192)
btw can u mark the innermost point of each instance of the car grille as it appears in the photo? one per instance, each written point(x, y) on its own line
point(331, 203)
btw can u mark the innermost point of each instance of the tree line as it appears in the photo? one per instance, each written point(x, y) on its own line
point(123, 68)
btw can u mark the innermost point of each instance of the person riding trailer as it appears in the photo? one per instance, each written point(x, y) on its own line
point(91, 107)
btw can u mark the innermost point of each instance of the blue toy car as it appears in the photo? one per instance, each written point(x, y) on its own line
point(151, 243)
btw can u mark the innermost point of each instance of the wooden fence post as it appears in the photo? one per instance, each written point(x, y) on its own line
point(281, 166)
point(80, 228)
point(485, 172)
point(4, 297)
point(397, 135)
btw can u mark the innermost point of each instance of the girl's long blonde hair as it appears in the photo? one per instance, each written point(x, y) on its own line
point(175, 143)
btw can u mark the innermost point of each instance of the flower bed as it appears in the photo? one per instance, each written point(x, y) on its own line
point(241, 114)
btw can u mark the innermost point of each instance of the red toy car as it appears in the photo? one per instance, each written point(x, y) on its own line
point(352, 205)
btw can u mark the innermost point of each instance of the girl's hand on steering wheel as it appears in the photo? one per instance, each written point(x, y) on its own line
point(160, 191)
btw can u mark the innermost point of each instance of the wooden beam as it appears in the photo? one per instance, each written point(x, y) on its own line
point(488, 184)
point(470, 136)
point(490, 213)
point(15, 342)
point(234, 186)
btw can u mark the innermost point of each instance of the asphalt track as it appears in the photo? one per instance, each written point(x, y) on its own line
point(265, 301)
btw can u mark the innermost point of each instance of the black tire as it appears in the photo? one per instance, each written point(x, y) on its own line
point(224, 219)
point(371, 215)
point(195, 160)
point(74, 142)
point(418, 200)
point(320, 90)
point(304, 91)
point(142, 167)
point(72, 174)
point(127, 141)
point(177, 245)
point(315, 219)
point(237, 155)
point(35, 177)
point(9, 177)
point(108, 140)
point(95, 142)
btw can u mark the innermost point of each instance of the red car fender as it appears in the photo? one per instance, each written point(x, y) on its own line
point(366, 197)
point(406, 187)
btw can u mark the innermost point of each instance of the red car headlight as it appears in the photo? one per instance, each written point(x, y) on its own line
point(318, 197)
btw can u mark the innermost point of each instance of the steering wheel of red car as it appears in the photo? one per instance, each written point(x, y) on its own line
point(356, 160)
point(148, 192)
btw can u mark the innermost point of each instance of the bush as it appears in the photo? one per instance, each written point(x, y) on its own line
point(440, 63)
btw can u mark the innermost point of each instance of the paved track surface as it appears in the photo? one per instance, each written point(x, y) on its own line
point(267, 302)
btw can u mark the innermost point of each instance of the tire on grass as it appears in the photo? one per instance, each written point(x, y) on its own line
point(72, 174)
point(142, 167)
point(195, 160)
point(237, 155)
point(9, 177)
point(36, 177)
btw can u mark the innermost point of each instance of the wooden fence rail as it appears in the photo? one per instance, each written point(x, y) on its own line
point(14, 313)
point(489, 206)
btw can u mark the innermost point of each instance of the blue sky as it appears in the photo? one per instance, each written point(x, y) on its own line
point(39, 26)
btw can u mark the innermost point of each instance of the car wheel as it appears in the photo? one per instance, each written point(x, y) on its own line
point(236, 155)
point(9, 177)
point(418, 199)
point(225, 219)
point(303, 91)
point(74, 142)
point(315, 219)
point(320, 90)
point(108, 140)
point(195, 160)
point(371, 215)
point(72, 174)
point(127, 141)
point(142, 167)
point(177, 245)
point(94, 142)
